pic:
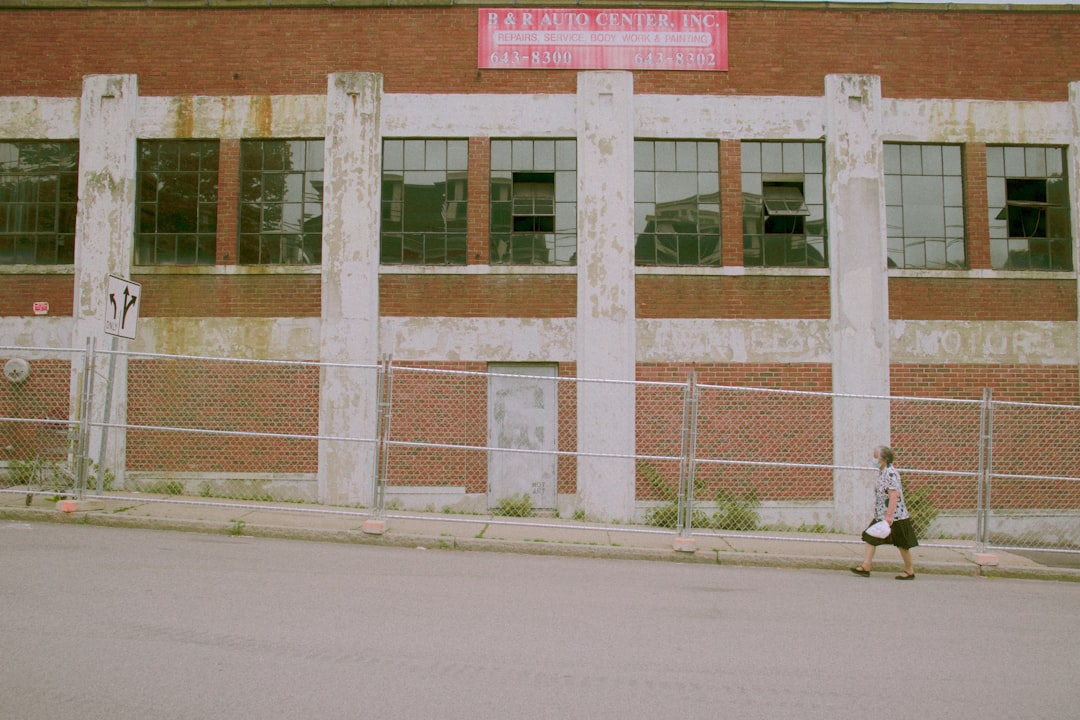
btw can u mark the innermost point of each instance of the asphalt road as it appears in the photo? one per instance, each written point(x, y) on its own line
point(114, 623)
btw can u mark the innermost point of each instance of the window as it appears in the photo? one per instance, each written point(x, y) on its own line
point(677, 202)
point(39, 185)
point(281, 192)
point(533, 202)
point(924, 206)
point(783, 186)
point(425, 189)
point(177, 203)
point(1028, 196)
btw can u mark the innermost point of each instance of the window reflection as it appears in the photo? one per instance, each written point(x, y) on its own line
point(424, 202)
point(1028, 198)
point(281, 194)
point(38, 192)
point(783, 185)
point(924, 206)
point(177, 202)
point(533, 202)
point(676, 202)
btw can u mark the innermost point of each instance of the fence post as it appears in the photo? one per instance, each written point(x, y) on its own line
point(106, 415)
point(986, 463)
point(684, 542)
point(86, 399)
point(384, 383)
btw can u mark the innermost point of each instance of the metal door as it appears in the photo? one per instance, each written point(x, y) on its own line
point(523, 415)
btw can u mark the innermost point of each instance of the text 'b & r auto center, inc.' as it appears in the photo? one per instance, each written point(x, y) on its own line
point(629, 39)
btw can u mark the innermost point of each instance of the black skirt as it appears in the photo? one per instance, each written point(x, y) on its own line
point(902, 535)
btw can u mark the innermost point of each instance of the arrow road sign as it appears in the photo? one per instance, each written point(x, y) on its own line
point(122, 307)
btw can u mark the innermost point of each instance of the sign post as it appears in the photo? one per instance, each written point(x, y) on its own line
point(121, 319)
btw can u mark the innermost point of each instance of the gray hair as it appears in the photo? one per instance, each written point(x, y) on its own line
point(886, 453)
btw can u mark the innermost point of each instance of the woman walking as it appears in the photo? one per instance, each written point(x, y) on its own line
point(889, 506)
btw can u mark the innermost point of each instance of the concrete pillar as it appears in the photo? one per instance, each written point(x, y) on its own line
point(350, 288)
point(104, 240)
point(605, 293)
point(1073, 173)
point(854, 166)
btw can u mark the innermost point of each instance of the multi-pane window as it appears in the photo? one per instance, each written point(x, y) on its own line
point(177, 202)
point(676, 202)
point(924, 206)
point(39, 185)
point(425, 206)
point(533, 202)
point(281, 192)
point(1028, 197)
point(783, 186)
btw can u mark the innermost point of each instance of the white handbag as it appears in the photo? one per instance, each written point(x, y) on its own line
point(880, 530)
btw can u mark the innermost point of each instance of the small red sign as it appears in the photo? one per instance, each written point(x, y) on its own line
point(612, 39)
point(41, 308)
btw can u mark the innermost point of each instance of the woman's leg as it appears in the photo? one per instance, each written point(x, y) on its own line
point(905, 555)
point(868, 557)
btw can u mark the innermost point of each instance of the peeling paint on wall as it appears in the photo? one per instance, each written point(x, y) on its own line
point(1007, 343)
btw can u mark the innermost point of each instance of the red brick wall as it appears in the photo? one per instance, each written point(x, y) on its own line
point(927, 298)
point(533, 296)
point(44, 395)
point(262, 50)
point(451, 409)
point(567, 428)
point(736, 297)
point(737, 424)
point(445, 409)
point(479, 245)
point(270, 295)
point(227, 396)
point(18, 293)
point(228, 204)
point(731, 208)
point(976, 207)
point(1028, 440)
point(1020, 383)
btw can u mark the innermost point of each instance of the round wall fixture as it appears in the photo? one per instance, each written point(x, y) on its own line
point(16, 370)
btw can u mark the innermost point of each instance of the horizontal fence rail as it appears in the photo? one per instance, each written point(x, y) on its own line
point(476, 442)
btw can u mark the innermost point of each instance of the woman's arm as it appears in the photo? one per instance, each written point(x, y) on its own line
point(894, 500)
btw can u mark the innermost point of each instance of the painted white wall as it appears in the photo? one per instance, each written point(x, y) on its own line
point(104, 229)
point(605, 339)
point(606, 336)
point(859, 286)
point(1073, 161)
point(350, 288)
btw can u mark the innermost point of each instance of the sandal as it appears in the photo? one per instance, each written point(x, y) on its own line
point(905, 576)
point(862, 573)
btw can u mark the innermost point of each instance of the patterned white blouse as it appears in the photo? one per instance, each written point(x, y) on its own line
point(889, 479)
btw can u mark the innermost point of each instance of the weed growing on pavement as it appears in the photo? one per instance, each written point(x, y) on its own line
point(516, 505)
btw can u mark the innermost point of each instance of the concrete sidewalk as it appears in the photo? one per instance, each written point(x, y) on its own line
point(546, 536)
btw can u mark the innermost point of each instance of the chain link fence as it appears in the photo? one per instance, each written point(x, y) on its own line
point(502, 439)
point(1032, 493)
point(40, 430)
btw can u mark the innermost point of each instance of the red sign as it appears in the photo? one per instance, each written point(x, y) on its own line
point(41, 308)
point(607, 39)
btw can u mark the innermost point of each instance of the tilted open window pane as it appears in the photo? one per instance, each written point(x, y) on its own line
point(783, 204)
point(533, 202)
point(1027, 193)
